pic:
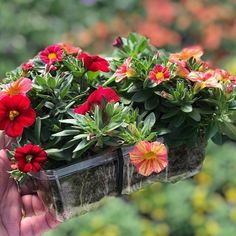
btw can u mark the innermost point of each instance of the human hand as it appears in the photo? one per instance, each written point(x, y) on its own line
point(20, 215)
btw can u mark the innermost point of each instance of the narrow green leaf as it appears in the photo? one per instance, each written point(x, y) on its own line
point(37, 129)
point(228, 129)
point(195, 115)
point(83, 144)
point(66, 133)
point(69, 121)
point(56, 153)
point(149, 122)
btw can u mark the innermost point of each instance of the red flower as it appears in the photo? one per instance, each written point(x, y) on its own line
point(51, 54)
point(15, 114)
point(83, 109)
point(96, 98)
point(30, 157)
point(94, 62)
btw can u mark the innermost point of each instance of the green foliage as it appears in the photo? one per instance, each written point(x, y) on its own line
point(187, 107)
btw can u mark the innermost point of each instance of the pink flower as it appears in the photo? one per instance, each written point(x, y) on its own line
point(184, 55)
point(224, 75)
point(21, 86)
point(159, 74)
point(149, 157)
point(125, 70)
point(208, 79)
point(182, 70)
point(51, 54)
point(27, 66)
point(118, 42)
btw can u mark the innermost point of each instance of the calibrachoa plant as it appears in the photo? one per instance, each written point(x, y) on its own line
point(66, 104)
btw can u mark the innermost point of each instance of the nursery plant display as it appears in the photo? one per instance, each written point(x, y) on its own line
point(86, 127)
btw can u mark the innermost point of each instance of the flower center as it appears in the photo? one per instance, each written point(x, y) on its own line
point(159, 75)
point(13, 90)
point(13, 114)
point(29, 158)
point(52, 55)
point(149, 155)
point(130, 73)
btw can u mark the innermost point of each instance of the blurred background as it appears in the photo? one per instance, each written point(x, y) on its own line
point(202, 206)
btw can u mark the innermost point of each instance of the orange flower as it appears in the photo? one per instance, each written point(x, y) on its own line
point(21, 86)
point(125, 70)
point(208, 79)
point(69, 48)
point(149, 157)
point(193, 51)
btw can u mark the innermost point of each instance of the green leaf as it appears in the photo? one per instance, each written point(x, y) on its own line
point(82, 145)
point(195, 115)
point(69, 121)
point(217, 139)
point(51, 82)
point(49, 105)
point(151, 103)
point(40, 81)
point(57, 154)
point(37, 130)
point(149, 122)
point(228, 129)
point(178, 120)
point(211, 130)
point(66, 133)
point(92, 75)
point(112, 126)
point(186, 108)
point(169, 114)
point(141, 96)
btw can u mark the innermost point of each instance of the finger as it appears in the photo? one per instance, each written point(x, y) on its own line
point(32, 205)
point(36, 225)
